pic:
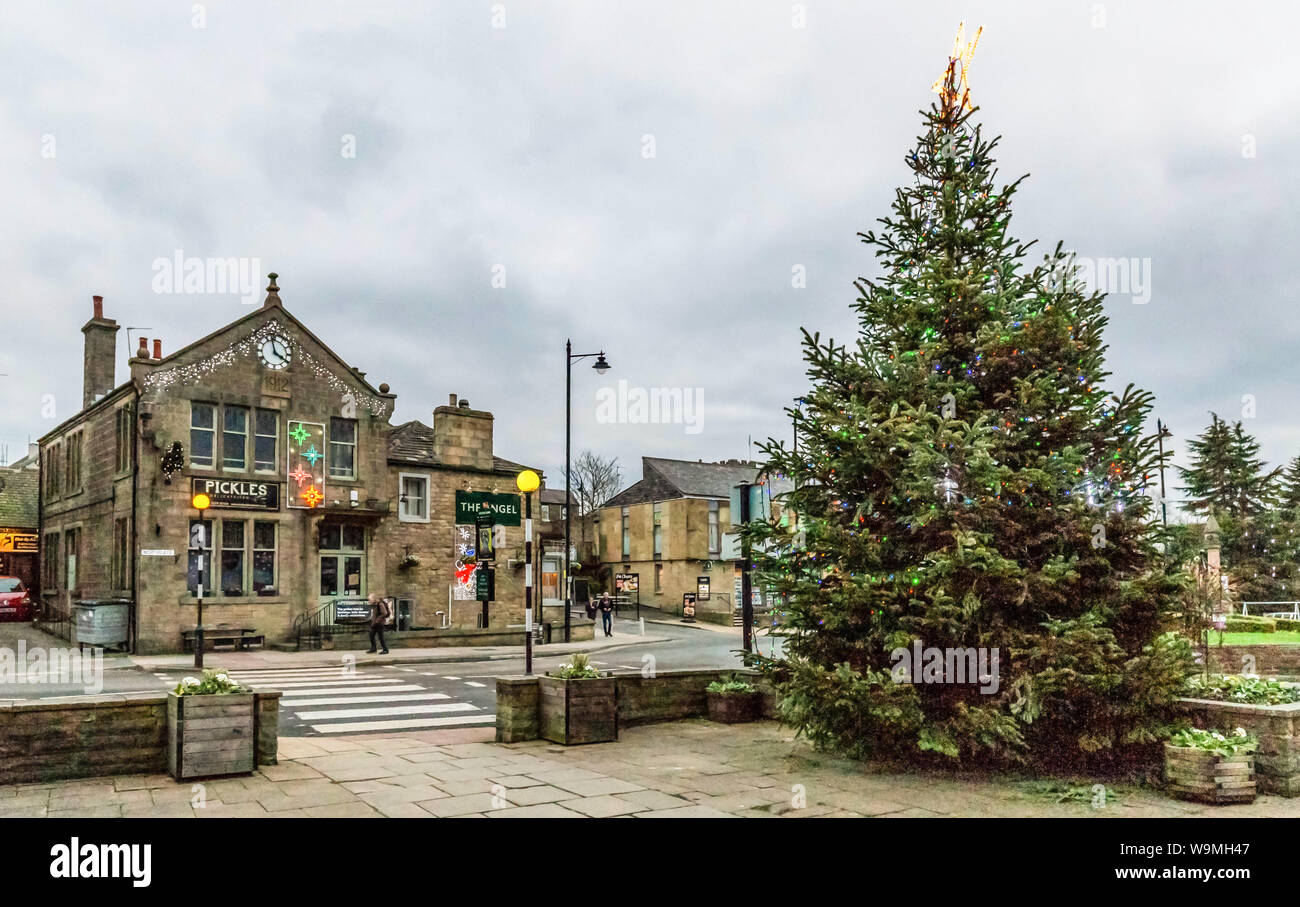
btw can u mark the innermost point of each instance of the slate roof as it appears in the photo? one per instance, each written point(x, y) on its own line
point(553, 496)
point(663, 479)
point(412, 443)
point(19, 497)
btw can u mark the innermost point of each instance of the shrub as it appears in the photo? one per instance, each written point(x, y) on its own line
point(1243, 623)
point(1286, 623)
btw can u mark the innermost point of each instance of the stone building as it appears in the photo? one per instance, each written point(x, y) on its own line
point(673, 529)
point(316, 497)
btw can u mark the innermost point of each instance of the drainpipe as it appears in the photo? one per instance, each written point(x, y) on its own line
point(134, 558)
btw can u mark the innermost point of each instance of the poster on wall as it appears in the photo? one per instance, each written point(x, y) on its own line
point(465, 586)
point(702, 588)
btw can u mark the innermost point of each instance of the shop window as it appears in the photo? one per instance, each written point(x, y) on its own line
point(232, 557)
point(266, 436)
point(264, 560)
point(203, 421)
point(343, 448)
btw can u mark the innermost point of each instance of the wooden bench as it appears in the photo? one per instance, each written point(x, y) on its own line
point(238, 638)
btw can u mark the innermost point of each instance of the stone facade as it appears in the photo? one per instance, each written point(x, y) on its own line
point(118, 522)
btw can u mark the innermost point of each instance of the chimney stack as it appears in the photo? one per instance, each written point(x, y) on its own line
point(142, 351)
point(462, 436)
point(157, 348)
point(99, 362)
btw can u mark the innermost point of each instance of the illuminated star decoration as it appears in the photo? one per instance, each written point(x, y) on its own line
point(311, 455)
point(957, 95)
point(300, 475)
point(300, 434)
point(312, 497)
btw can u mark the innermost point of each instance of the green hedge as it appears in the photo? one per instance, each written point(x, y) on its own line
point(1286, 623)
point(1241, 623)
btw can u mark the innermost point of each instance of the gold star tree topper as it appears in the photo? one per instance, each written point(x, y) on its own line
point(953, 86)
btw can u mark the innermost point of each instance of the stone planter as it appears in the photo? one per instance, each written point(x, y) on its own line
point(734, 708)
point(577, 711)
point(1195, 774)
point(1278, 728)
point(211, 735)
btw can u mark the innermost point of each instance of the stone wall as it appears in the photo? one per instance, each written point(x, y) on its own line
point(1277, 762)
point(668, 696)
point(95, 736)
point(1266, 661)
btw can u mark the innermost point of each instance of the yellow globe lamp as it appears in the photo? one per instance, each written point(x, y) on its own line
point(201, 501)
point(528, 481)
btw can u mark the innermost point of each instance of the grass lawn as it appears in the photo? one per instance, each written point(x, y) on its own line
point(1280, 638)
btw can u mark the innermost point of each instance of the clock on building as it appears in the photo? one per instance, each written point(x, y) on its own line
point(275, 352)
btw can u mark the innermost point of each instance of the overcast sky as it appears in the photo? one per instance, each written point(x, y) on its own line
point(645, 176)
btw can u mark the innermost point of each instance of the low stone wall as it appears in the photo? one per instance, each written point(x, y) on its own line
point(1277, 762)
point(94, 736)
point(667, 696)
point(1266, 661)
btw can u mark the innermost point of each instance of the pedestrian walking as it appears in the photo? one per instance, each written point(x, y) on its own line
point(380, 614)
point(607, 613)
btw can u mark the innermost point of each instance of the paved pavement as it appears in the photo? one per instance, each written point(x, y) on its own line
point(681, 769)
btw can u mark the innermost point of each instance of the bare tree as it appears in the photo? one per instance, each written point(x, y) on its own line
point(596, 479)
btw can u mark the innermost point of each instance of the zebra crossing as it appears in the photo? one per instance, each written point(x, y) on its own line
point(355, 699)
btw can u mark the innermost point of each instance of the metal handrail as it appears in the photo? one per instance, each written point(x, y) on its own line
point(1294, 610)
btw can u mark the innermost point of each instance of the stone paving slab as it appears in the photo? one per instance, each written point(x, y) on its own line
point(687, 769)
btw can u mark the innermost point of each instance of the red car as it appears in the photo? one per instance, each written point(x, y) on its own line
point(15, 602)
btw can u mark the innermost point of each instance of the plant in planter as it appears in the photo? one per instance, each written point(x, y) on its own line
point(733, 701)
point(1211, 767)
point(577, 704)
point(1242, 688)
point(211, 728)
point(408, 561)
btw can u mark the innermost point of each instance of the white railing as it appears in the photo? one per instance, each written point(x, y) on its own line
point(1293, 609)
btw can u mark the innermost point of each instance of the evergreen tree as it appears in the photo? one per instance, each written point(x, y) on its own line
point(1289, 487)
point(1227, 476)
point(964, 480)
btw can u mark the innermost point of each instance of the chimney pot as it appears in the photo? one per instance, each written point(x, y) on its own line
point(143, 351)
point(99, 306)
point(451, 399)
point(157, 348)
point(464, 404)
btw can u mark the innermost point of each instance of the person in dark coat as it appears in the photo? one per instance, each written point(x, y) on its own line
point(380, 614)
point(607, 613)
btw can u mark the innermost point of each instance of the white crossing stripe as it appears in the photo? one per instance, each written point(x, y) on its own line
point(336, 683)
point(347, 700)
point(450, 677)
point(350, 727)
point(291, 675)
point(470, 683)
point(327, 691)
point(436, 708)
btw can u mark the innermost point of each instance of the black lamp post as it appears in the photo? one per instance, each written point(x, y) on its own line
point(601, 366)
point(201, 502)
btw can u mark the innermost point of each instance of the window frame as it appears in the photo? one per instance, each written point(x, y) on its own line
point(627, 533)
point(332, 444)
point(275, 442)
point(275, 559)
point(226, 410)
point(212, 431)
point(403, 515)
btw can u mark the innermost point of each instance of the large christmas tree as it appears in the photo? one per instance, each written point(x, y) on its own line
point(963, 481)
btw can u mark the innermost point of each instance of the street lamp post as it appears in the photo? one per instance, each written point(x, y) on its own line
point(601, 366)
point(527, 482)
point(1161, 433)
point(201, 503)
